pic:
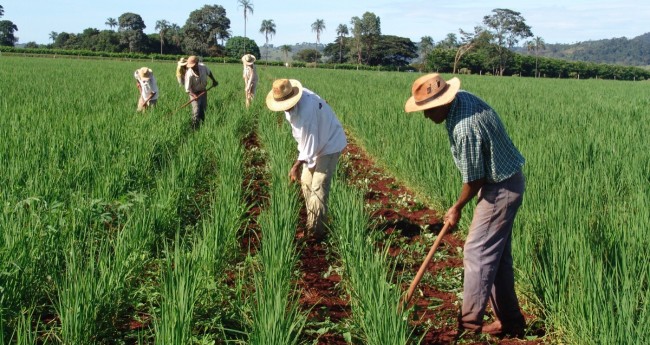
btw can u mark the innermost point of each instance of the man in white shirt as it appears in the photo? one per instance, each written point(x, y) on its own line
point(146, 83)
point(196, 81)
point(320, 138)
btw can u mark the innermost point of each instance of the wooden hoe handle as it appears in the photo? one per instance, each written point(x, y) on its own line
point(424, 265)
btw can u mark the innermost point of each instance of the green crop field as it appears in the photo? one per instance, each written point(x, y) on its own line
point(122, 228)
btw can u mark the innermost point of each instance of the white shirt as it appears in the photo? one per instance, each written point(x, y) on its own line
point(316, 128)
point(147, 86)
point(197, 82)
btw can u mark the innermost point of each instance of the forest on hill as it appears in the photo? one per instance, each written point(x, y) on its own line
point(619, 51)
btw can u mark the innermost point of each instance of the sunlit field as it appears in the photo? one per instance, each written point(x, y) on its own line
point(118, 227)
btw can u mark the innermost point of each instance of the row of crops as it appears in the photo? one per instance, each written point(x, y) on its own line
point(125, 228)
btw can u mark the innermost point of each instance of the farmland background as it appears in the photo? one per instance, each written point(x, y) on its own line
point(100, 203)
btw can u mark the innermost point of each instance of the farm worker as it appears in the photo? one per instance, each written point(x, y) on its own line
point(320, 138)
point(491, 169)
point(250, 77)
point(147, 86)
point(181, 69)
point(196, 81)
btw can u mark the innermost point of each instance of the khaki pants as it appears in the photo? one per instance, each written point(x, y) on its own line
point(316, 184)
point(487, 255)
point(198, 110)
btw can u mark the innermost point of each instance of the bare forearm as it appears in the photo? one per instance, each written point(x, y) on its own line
point(468, 192)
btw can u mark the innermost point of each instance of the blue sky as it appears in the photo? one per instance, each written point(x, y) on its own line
point(565, 21)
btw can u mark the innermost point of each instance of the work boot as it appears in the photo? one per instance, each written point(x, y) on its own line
point(498, 329)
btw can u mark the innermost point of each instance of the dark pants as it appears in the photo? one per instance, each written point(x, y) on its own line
point(487, 255)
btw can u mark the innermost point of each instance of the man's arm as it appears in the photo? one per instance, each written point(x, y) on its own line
point(467, 193)
point(214, 81)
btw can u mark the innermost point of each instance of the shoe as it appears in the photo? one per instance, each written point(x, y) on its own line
point(498, 329)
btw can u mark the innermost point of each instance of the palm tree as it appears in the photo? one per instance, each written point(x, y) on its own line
point(247, 5)
point(318, 26)
point(111, 22)
point(341, 31)
point(426, 46)
point(176, 34)
point(536, 45)
point(268, 29)
point(162, 26)
point(53, 35)
point(286, 49)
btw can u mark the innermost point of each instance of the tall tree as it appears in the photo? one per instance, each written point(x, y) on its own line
point(450, 42)
point(268, 29)
point(366, 31)
point(426, 46)
point(341, 32)
point(469, 41)
point(204, 27)
point(2, 11)
point(247, 6)
point(111, 23)
point(318, 26)
point(536, 45)
point(286, 49)
point(162, 26)
point(53, 35)
point(131, 28)
point(7, 29)
point(176, 34)
point(507, 27)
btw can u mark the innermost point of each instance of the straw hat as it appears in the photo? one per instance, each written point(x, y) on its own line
point(430, 91)
point(248, 59)
point(285, 94)
point(191, 61)
point(182, 61)
point(144, 73)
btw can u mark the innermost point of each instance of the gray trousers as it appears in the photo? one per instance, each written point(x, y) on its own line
point(315, 184)
point(198, 110)
point(487, 255)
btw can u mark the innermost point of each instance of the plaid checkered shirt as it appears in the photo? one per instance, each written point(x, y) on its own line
point(479, 142)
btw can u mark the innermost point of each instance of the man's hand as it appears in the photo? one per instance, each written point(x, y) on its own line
point(294, 173)
point(452, 217)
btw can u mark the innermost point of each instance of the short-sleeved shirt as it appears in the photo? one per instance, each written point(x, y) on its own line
point(197, 82)
point(479, 142)
point(316, 128)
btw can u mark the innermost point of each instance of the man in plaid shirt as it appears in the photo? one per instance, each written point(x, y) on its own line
point(491, 169)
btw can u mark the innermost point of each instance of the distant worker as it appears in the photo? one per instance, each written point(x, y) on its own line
point(250, 77)
point(196, 81)
point(181, 69)
point(320, 138)
point(147, 86)
point(491, 169)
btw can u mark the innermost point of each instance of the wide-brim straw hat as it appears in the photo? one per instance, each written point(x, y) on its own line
point(431, 91)
point(248, 59)
point(144, 73)
point(285, 94)
point(192, 61)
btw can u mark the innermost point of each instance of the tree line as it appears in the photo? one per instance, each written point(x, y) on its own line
point(487, 49)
